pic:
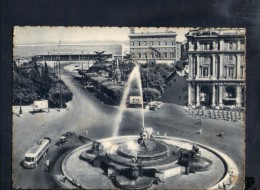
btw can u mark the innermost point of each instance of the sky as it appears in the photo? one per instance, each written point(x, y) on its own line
point(83, 35)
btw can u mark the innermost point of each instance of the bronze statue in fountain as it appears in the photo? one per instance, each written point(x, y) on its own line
point(137, 162)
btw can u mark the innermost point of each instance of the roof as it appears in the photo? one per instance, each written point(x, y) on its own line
point(32, 152)
point(216, 32)
point(154, 34)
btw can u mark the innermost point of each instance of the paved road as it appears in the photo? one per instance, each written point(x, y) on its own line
point(86, 112)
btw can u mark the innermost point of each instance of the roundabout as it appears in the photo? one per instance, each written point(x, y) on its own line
point(121, 162)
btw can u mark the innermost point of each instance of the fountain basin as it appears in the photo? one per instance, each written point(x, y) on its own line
point(93, 177)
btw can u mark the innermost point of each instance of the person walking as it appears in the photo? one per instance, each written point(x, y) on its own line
point(48, 165)
point(201, 131)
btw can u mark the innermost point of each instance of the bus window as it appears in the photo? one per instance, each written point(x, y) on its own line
point(29, 159)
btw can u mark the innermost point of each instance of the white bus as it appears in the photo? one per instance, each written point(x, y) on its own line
point(33, 155)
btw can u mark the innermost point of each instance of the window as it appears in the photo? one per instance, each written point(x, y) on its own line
point(230, 57)
point(205, 71)
point(230, 71)
point(159, 43)
point(165, 55)
point(139, 43)
point(242, 71)
point(173, 42)
point(165, 43)
point(206, 46)
point(151, 43)
point(133, 43)
point(145, 43)
point(172, 55)
point(139, 55)
point(145, 55)
point(230, 46)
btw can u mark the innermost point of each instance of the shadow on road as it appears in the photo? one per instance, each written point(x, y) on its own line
point(84, 139)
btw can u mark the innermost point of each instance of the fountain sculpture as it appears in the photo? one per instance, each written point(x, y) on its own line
point(138, 162)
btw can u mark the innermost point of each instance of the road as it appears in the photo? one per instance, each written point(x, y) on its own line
point(87, 113)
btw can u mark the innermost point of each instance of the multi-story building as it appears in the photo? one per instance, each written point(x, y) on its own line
point(178, 50)
point(160, 46)
point(216, 67)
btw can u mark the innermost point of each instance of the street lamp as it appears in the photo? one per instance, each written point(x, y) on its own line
point(20, 98)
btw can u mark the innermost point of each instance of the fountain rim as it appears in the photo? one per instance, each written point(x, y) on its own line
point(227, 161)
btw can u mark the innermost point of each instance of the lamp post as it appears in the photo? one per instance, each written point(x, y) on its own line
point(20, 98)
point(82, 60)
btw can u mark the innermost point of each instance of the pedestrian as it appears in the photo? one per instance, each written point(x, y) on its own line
point(48, 165)
point(64, 178)
point(201, 131)
point(224, 185)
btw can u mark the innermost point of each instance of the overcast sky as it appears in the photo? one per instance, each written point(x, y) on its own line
point(82, 35)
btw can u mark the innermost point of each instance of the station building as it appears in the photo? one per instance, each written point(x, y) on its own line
point(160, 47)
point(216, 67)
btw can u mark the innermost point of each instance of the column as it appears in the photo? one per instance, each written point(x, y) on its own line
point(213, 95)
point(190, 67)
point(213, 66)
point(198, 95)
point(214, 45)
point(238, 66)
point(220, 95)
point(221, 45)
point(198, 45)
point(190, 46)
point(198, 66)
point(238, 45)
point(238, 99)
point(189, 94)
point(221, 66)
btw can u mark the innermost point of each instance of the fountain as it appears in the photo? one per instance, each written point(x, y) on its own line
point(134, 76)
point(144, 160)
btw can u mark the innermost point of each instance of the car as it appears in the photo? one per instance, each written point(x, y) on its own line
point(70, 134)
point(62, 140)
point(155, 105)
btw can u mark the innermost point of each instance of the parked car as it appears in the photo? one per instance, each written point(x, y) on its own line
point(62, 140)
point(70, 134)
point(155, 105)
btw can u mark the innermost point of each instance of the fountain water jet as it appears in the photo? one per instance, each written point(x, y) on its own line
point(134, 76)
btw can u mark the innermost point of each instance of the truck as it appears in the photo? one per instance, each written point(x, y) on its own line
point(135, 102)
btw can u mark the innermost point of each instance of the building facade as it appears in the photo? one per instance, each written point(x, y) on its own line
point(178, 50)
point(216, 67)
point(160, 47)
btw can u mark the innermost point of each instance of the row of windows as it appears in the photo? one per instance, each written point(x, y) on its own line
point(226, 46)
point(159, 49)
point(163, 55)
point(228, 71)
point(153, 43)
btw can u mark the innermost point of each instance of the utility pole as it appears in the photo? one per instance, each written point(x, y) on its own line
point(20, 98)
point(82, 60)
point(60, 84)
point(88, 59)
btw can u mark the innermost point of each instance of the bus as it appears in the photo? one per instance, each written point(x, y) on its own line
point(33, 155)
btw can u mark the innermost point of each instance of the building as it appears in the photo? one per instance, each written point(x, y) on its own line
point(178, 50)
point(216, 67)
point(160, 46)
point(67, 52)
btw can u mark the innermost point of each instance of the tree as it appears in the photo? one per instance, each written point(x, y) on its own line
point(100, 57)
point(150, 94)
